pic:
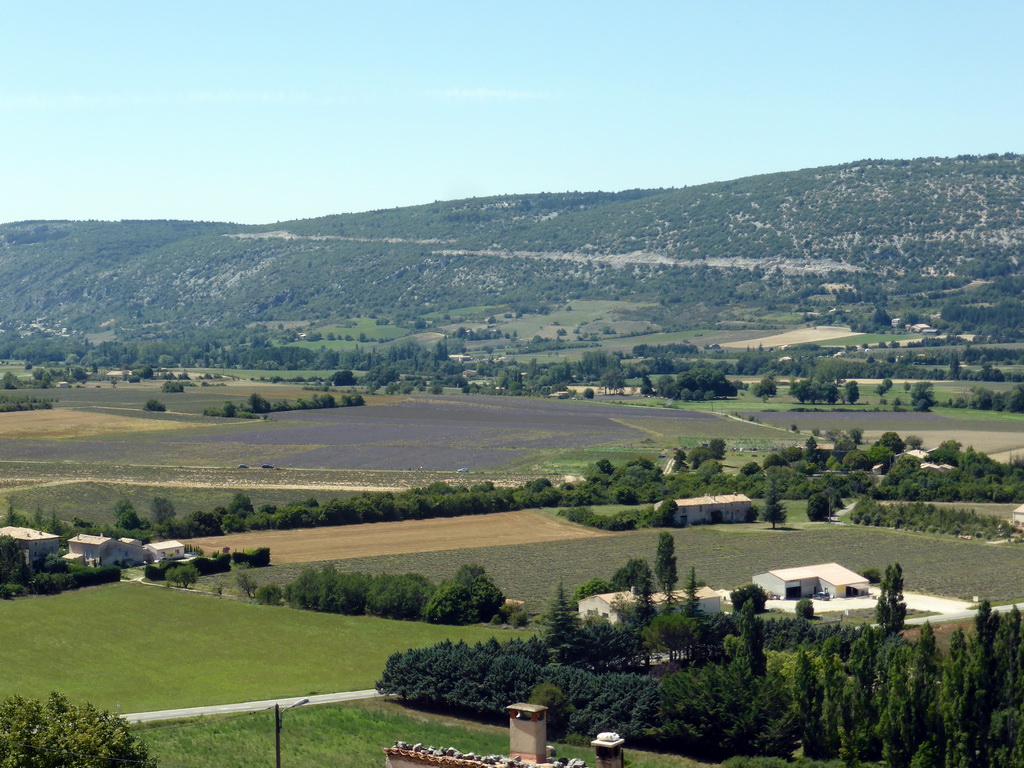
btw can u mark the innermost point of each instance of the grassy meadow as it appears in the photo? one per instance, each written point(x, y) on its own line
point(146, 648)
point(350, 735)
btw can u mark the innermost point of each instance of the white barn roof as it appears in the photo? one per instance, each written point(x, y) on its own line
point(833, 573)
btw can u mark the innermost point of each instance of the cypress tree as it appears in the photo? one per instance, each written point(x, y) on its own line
point(665, 567)
point(750, 657)
point(692, 608)
point(956, 697)
point(644, 609)
point(896, 722)
point(891, 610)
point(808, 696)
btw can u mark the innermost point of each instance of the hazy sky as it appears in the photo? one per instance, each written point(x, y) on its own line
point(258, 112)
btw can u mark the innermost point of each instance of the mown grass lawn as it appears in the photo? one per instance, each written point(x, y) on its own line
point(352, 735)
point(147, 648)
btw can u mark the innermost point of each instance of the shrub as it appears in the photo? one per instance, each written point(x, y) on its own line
point(85, 576)
point(873, 575)
point(805, 609)
point(154, 405)
point(450, 604)
point(269, 594)
point(208, 565)
point(155, 572)
point(51, 583)
point(400, 596)
point(256, 558)
point(749, 592)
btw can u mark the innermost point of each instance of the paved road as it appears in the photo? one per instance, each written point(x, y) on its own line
point(961, 615)
point(248, 706)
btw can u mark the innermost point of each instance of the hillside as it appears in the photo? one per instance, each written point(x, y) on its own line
point(875, 233)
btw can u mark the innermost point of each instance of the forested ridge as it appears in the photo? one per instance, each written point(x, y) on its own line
point(881, 228)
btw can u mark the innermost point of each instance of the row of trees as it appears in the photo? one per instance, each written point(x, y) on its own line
point(918, 516)
point(469, 597)
point(257, 405)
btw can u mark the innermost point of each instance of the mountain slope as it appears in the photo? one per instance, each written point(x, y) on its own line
point(884, 228)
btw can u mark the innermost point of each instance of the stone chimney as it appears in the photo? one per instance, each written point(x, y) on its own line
point(609, 750)
point(528, 732)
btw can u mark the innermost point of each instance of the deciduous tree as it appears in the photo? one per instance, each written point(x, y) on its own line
point(58, 734)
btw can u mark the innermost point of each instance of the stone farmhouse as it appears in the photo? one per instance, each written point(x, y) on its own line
point(728, 508)
point(87, 549)
point(607, 605)
point(36, 545)
point(528, 729)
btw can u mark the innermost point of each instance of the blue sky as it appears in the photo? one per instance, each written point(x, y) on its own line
point(259, 112)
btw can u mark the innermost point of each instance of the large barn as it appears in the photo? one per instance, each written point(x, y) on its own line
point(808, 580)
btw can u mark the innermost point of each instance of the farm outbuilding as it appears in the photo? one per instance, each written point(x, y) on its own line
point(795, 583)
point(1017, 517)
point(728, 508)
point(607, 605)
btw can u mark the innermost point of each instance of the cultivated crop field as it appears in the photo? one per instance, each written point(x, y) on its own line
point(146, 648)
point(725, 556)
point(998, 434)
point(401, 434)
point(524, 527)
point(796, 336)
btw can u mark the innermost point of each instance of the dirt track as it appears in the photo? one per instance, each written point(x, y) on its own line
point(404, 537)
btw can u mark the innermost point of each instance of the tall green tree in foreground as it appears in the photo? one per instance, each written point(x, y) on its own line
point(58, 734)
point(891, 610)
point(665, 566)
point(561, 632)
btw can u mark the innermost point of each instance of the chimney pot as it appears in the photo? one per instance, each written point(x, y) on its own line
point(528, 732)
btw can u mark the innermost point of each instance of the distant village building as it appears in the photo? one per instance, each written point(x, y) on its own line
point(35, 545)
point(607, 605)
point(727, 508)
point(806, 581)
point(1017, 516)
point(166, 550)
point(937, 467)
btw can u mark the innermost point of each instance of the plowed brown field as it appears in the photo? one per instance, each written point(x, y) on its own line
point(371, 539)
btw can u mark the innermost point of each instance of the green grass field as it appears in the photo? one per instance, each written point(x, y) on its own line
point(149, 648)
point(350, 735)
